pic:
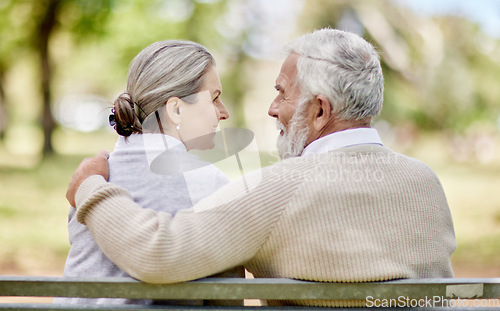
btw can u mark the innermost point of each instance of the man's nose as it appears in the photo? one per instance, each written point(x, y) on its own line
point(273, 110)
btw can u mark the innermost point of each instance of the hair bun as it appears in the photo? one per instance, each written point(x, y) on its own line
point(126, 120)
point(126, 97)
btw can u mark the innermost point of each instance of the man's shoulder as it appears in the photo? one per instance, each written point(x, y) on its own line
point(374, 156)
point(367, 154)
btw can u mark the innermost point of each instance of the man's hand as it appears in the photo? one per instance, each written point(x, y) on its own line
point(89, 166)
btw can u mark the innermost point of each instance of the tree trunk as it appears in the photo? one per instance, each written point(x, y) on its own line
point(3, 106)
point(47, 25)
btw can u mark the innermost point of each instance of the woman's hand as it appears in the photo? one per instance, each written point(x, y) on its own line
point(88, 167)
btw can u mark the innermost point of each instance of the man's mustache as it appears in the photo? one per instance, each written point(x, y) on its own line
point(280, 126)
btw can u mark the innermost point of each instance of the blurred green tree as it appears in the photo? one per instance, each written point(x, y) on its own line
point(33, 24)
point(82, 18)
point(439, 71)
point(10, 46)
point(67, 35)
point(195, 20)
point(133, 25)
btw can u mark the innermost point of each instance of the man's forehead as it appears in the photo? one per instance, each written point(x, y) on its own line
point(288, 70)
point(281, 80)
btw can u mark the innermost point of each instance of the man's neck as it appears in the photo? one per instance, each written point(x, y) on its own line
point(337, 125)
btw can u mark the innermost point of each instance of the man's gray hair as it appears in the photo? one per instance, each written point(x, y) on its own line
point(343, 67)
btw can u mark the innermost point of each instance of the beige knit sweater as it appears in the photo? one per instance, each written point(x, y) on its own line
point(357, 214)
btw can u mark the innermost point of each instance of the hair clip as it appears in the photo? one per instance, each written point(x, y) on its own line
point(112, 118)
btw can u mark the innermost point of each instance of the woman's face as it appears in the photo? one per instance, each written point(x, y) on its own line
point(200, 114)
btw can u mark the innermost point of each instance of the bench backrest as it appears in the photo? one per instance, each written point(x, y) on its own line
point(233, 288)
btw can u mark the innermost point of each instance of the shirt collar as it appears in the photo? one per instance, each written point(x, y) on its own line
point(152, 144)
point(346, 138)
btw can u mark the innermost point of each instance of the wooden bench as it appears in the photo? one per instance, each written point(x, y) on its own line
point(484, 294)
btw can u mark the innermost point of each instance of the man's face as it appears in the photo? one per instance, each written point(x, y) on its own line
point(293, 126)
point(284, 105)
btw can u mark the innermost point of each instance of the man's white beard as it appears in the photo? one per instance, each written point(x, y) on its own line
point(292, 144)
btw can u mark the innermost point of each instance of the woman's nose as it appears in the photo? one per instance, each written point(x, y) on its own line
point(223, 113)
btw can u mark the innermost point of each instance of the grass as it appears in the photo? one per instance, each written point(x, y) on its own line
point(33, 208)
point(32, 213)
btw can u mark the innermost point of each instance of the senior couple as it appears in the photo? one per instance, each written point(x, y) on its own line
point(316, 215)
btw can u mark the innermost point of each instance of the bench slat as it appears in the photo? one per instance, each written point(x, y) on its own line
point(45, 307)
point(229, 288)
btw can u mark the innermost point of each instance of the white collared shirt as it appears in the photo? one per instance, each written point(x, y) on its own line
point(346, 138)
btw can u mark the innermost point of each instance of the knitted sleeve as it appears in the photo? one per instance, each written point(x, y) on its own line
point(220, 232)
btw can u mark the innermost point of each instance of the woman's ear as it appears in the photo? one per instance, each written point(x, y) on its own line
point(321, 113)
point(173, 109)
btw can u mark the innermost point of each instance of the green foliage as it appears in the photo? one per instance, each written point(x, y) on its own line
point(448, 70)
point(447, 79)
point(7, 212)
point(93, 41)
point(83, 18)
point(12, 34)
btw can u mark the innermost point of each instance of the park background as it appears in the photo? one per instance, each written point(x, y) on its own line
point(62, 62)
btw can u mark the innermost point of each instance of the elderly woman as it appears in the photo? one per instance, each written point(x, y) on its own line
point(172, 104)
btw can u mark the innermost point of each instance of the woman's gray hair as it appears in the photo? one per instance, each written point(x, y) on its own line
point(343, 67)
point(163, 70)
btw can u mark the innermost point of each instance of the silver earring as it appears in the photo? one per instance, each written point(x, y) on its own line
point(178, 127)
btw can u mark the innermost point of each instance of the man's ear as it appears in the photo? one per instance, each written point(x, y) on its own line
point(173, 109)
point(322, 112)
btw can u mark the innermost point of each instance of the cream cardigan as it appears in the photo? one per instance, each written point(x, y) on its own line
point(356, 214)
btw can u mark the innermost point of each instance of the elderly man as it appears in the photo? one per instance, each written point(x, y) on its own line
point(341, 207)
